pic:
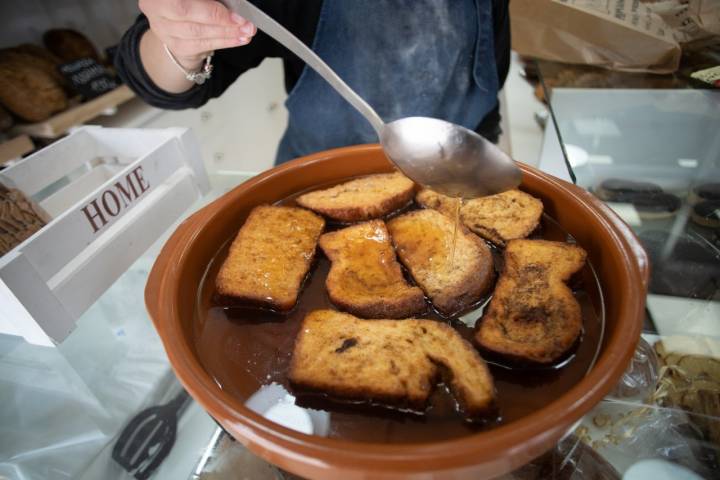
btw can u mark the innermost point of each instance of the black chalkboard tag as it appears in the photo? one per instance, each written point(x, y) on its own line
point(89, 78)
point(110, 53)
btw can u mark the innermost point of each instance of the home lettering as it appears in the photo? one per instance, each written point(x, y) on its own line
point(115, 198)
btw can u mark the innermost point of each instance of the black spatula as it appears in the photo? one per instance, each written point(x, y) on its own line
point(149, 437)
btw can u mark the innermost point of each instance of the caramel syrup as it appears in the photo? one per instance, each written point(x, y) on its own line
point(248, 352)
point(458, 205)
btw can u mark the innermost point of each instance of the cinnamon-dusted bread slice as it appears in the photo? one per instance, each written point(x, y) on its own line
point(390, 362)
point(365, 277)
point(533, 316)
point(364, 198)
point(497, 218)
point(453, 281)
point(270, 257)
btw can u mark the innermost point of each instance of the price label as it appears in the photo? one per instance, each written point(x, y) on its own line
point(89, 78)
point(709, 75)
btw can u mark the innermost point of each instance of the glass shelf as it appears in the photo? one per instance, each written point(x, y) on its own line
point(648, 146)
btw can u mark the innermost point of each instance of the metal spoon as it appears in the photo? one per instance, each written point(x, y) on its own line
point(448, 158)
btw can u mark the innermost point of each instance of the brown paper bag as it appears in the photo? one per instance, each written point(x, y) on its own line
point(616, 34)
point(690, 20)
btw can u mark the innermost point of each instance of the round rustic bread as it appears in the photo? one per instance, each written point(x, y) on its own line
point(20, 217)
point(6, 120)
point(29, 92)
point(38, 51)
point(36, 56)
point(69, 45)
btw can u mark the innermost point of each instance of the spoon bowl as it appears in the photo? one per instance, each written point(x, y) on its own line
point(446, 157)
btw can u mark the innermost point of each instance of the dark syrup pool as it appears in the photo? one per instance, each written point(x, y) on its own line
point(247, 352)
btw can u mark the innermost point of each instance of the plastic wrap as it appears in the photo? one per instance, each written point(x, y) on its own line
point(647, 416)
point(62, 406)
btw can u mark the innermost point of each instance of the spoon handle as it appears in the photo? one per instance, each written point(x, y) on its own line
point(282, 35)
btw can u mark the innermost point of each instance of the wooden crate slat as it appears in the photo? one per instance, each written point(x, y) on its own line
point(59, 124)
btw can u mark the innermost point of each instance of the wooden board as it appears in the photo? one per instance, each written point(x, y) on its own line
point(15, 148)
point(59, 124)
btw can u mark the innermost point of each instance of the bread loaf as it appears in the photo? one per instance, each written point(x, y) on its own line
point(29, 92)
point(6, 120)
point(69, 45)
point(38, 57)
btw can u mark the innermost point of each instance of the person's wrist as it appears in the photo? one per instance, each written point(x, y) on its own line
point(192, 63)
point(199, 75)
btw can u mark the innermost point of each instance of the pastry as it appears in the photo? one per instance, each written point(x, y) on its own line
point(656, 206)
point(707, 213)
point(624, 191)
point(705, 191)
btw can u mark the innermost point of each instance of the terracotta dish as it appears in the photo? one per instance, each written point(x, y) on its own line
point(172, 291)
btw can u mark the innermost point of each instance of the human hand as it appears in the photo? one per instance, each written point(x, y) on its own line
point(192, 29)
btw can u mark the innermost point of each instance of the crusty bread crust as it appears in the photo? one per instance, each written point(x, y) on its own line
point(365, 278)
point(533, 315)
point(270, 257)
point(365, 198)
point(392, 362)
point(424, 242)
point(498, 218)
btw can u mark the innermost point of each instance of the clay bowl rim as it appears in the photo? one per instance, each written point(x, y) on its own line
point(531, 432)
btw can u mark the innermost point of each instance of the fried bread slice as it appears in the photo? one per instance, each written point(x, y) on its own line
point(365, 198)
point(270, 257)
point(392, 362)
point(453, 281)
point(497, 218)
point(365, 277)
point(533, 315)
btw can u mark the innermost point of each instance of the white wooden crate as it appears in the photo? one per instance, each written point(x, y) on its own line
point(111, 193)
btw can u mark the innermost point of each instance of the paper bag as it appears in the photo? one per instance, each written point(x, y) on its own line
point(616, 34)
point(692, 21)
